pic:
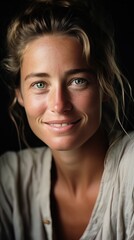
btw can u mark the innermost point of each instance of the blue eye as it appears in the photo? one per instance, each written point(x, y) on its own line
point(79, 81)
point(40, 85)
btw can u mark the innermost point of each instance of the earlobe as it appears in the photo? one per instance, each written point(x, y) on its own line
point(19, 97)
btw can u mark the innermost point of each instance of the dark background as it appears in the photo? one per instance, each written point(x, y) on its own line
point(123, 19)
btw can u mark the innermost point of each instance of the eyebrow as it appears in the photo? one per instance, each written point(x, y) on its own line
point(34, 75)
point(67, 73)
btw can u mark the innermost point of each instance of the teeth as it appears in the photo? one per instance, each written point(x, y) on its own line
point(64, 124)
point(59, 124)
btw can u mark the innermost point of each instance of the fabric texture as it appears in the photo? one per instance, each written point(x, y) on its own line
point(25, 185)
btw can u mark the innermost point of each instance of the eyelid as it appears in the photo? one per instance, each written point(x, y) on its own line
point(38, 81)
point(79, 85)
point(85, 80)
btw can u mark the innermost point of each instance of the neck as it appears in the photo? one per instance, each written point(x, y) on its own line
point(81, 167)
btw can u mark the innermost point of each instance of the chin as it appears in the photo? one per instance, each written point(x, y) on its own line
point(62, 145)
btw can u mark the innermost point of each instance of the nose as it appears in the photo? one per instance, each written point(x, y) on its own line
point(59, 100)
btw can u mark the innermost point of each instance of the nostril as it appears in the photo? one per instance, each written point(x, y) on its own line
point(62, 107)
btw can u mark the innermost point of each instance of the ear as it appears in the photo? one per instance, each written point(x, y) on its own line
point(19, 97)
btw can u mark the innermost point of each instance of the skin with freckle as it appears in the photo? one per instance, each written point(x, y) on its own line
point(64, 111)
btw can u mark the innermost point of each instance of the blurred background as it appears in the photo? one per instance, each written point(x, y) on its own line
point(123, 19)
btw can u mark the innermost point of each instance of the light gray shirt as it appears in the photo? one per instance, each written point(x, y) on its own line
point(25, 185)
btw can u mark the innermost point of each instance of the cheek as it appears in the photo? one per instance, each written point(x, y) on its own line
point(88, 102)
point(34, 107)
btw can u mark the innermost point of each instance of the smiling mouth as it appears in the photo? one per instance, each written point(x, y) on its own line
point(64, 124)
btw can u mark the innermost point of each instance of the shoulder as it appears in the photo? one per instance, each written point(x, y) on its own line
point(124, 146)
point(127, 155)
point(14, 164)
point(122, 154)
point(120, 158)
point(30, 155)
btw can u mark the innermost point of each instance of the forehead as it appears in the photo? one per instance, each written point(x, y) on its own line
point(51, 48)
point(53, 42)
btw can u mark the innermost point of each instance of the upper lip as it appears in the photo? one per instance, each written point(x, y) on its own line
point(62, 121)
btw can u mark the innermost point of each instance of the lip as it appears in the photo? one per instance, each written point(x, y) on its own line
point(62, 126)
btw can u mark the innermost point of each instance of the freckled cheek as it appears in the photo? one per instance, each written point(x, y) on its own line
point(88, 102)
point(91, 109)
point(35, 107)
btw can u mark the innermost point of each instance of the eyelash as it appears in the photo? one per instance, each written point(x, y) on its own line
point(35, 84)
point(40, 83)
point(81, 82)
point(75, 83)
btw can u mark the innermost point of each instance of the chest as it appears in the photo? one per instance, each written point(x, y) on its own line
point(70, 218)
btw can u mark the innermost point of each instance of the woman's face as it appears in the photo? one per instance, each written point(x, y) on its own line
point(59, 92)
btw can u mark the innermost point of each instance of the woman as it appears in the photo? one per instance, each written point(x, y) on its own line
point(65, 78)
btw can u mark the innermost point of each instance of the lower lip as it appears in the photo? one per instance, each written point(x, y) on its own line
point(63, 129)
